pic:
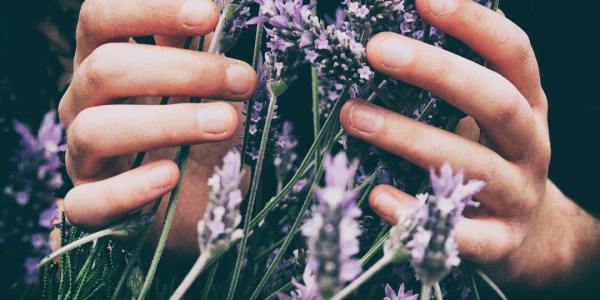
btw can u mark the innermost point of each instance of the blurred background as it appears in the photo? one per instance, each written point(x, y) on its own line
point(37, 44)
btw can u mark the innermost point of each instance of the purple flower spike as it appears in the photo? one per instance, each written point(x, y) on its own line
point(390, 294)
point(219, 226)
point(333, 230)
point(433, 249)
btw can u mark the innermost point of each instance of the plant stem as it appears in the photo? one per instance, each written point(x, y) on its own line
point(356, 283)
point(169, 215)
point(191, 276)
point(184, 152)
point(256, 179)
point(425, 291)
point(255, 58)
point(314, 79)
point(495, 5)
point(303, 165)
point(80, 242)
point(438, 291)
point(211, 278)
point(491, 283)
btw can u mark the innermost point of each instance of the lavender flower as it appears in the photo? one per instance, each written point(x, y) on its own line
point(390, 294)
point(236, 13)
point(29, 209)
point(433, 248)
point(219, 226)
point(333, 229)
point(308, 291)
point(333, 49)
point(284, 157)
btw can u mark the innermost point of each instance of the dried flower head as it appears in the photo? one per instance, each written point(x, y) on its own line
point(219, 225)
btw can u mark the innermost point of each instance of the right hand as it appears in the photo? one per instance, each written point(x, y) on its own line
point(110, 111)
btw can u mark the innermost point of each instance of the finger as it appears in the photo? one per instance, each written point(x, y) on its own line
point(467, 128)
point(485, 95)
point(111, 130)
point(95, 204)
point(504, 45)
point(428, 146)
point(484, 241)
point(100, 22)
point(115, 71)
point(387, 201)
point(479, 240)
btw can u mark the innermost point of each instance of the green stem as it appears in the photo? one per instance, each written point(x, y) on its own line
point(184, 152)
point(255, 58)
point(190, 277)
point(491, 283)
point(356, 283)
point(289, 237)
point(303, 165)
point(425, 291)
point(80, 242)
point(256, 179)
point(495, 5)
point(209, 281)
point(438, 291)
point(314, 79)
point(169, 216)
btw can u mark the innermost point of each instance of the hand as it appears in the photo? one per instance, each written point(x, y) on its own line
point(526, 230)
point(110, 111)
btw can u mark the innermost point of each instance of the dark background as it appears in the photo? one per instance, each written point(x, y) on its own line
point(36, 42)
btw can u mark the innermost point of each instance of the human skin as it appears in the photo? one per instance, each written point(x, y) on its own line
point(526, 231)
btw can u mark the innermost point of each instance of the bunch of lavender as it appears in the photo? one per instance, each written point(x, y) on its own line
point(334, 50)
point(433, 248)
point(218, 228)
point(28, 212)
point(333, 230)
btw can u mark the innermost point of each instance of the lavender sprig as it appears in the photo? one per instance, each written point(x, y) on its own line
point(433, 248)
point(332, 231)
point(218, 228)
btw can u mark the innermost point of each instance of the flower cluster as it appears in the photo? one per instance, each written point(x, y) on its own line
point(334, 50)
point(390, 294)
point(236, 13)
point(333, 230)
point(284, 156)
point(219, 226)
point(31, 213)
point(433, 248)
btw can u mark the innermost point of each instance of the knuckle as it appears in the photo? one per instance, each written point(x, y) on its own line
point(95, 70)
point(80, 140)
point(522, 50)
point(87, 17)
point(507, 110)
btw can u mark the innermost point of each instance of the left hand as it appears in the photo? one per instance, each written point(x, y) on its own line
point(504, 142)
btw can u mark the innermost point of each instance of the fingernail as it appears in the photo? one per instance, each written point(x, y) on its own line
point(159, 177)
point(195, 12)
point(388, 206)
point(239, 79)
point(214, 119)
point(439, 7)
point(393, 52)
point(366, 117)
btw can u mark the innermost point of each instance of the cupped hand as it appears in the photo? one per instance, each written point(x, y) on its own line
point(111, 110)
point(525, 230)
